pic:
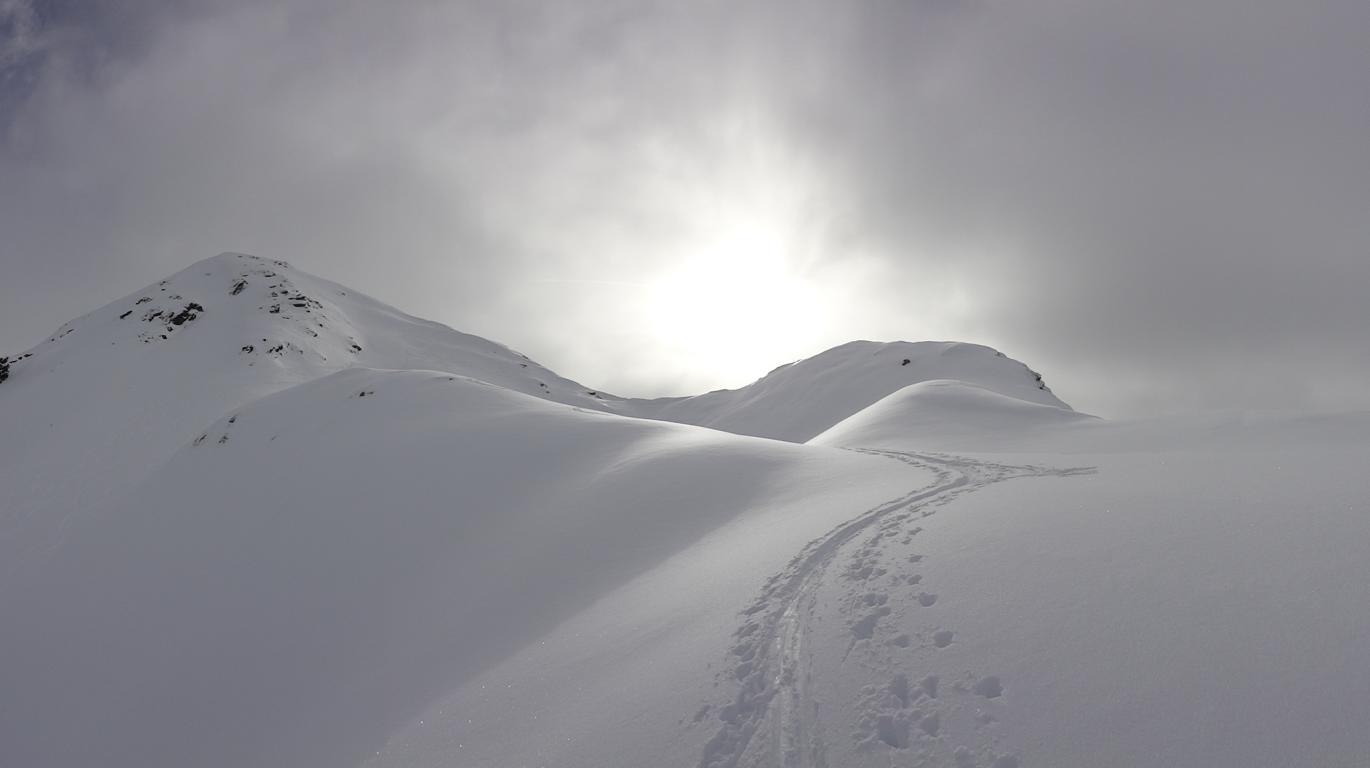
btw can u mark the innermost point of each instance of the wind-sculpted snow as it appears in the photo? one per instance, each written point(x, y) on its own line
point(111, 395)
point(315, 567)
point(950, 414)
point(1164, 610)
point(249, 517)
point(795, 402)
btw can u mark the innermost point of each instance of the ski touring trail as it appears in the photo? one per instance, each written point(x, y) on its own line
point(773, 719)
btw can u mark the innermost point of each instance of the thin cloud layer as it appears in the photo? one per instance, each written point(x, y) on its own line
point(1160, 206)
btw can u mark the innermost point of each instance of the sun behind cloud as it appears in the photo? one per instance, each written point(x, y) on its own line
point(746, 274)
point(736, 295)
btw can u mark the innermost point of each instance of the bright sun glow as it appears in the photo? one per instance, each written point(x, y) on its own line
point(745, 280)
point(731, 305)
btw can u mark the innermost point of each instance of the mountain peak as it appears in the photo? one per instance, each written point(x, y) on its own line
point(118, 390)
point(799, 400)
point(242, 311)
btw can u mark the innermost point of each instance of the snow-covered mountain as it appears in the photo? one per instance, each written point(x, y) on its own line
point(253, 518)
point(111, 395)
point(797, 401)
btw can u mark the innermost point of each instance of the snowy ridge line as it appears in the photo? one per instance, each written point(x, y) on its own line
point(770, 659)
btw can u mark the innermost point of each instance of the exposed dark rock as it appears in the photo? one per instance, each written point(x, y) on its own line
point(186, 314)
point(4, 368)
point(126, 314)
point(238, 288)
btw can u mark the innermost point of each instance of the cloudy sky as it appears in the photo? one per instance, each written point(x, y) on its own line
point(1161, 206)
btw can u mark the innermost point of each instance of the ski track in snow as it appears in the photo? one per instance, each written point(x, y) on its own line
point(773, 718)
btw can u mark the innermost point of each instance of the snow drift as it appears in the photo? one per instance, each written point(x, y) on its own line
point(253, 518)
point(795, 402)
point(941, 414)
point(95, 408)
point(322, 563)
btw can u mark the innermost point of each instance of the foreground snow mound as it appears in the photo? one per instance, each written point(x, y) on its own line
point(944, 414)
point(316, 567)
point(1168, 605)
point(107, 398)
point(795, 402)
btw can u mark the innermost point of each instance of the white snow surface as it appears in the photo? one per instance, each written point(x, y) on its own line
point(373, 540)
point(941, 412)
point(320, 564)
point(795, 402)
point(111, 395)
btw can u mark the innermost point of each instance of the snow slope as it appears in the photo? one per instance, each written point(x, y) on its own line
point(111, 395)
point(1168, 605)
point(1188, 607)
point(95, 408)
point(320, 565)
point(306, 529)
point(945, 414)
point(795, 402)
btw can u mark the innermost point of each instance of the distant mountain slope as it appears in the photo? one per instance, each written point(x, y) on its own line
point(97, 406)
point(108, 397)
point(797, 401)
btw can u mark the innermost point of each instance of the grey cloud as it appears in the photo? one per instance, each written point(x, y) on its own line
point(1175, 191)
point(1160, 206)
point(19, 37)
